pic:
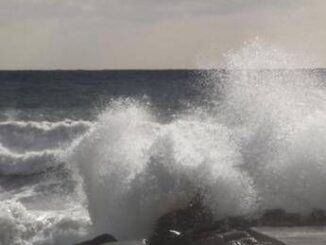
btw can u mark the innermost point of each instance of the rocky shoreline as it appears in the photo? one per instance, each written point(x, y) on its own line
point(194, 225)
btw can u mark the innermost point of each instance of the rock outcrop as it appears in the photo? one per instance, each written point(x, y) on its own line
point(195, 225)
point(105, 238)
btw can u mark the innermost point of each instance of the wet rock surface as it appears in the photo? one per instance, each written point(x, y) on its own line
point(234, 237)
point(195, 225)
point(105, 238)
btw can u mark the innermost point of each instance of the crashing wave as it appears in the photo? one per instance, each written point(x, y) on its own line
point(19, 226)
point(23, 136)
point(258, 144)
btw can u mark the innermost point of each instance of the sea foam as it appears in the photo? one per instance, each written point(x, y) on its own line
point(257, 144)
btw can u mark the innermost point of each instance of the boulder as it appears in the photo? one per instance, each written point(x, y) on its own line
point(235, 235)
point(185, 221)
point(104, 238)
point(208, 239)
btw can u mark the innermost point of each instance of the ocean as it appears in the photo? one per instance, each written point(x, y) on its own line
point(88, 152)
point(44, 114)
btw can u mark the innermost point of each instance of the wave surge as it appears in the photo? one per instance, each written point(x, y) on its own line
point(258, 144)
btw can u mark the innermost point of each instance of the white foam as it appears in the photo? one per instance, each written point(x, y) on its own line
point(260, 146)
point(136, 169)
point(28, 163)
point(281, 114)
point(45, 125)
point(24, 136)
point(19, 226)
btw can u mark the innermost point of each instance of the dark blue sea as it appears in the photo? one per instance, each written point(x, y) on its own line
point(88, 152)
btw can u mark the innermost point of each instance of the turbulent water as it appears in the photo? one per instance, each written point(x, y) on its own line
point(82, 153)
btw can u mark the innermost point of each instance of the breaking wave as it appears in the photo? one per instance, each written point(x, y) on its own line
point(38, 202)
point(258, 143)
point(27, 163)
point(21, 226)
point(255, 142)
point(136, 169)
point(25, 136)
point(30, 147)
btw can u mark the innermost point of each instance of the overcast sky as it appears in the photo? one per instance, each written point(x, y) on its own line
point(132, 34)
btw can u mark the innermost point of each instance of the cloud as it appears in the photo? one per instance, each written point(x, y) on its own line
point(131, 9)
point(149, 33)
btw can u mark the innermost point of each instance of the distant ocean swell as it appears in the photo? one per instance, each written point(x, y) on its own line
point(31, 147)
point(24, 136)
point(256, 142)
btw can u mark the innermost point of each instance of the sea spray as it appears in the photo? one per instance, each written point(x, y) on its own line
point(255, 143)
point(19, 226)
point(136, 169)
point(281, 113)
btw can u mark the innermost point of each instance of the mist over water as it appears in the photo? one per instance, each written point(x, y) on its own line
point(248, 138)
point(141, 169)
point(257, 144)
point(281, 114)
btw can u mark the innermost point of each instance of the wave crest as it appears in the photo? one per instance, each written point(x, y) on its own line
point(136, 169)
point(257, 144)
point(23, 136)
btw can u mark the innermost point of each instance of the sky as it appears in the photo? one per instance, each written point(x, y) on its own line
point(152, 34)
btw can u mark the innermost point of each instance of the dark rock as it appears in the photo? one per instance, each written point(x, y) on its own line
point(194, 225)
point(249, 241)
point(235, 235)
point(186, 221)
point(213, 239)
point(263, 239)
point(239, 238)
point(170, 238)
point(105, 238)
point(235, 222)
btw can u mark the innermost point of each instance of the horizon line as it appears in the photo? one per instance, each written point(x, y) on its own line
point(157, 69)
